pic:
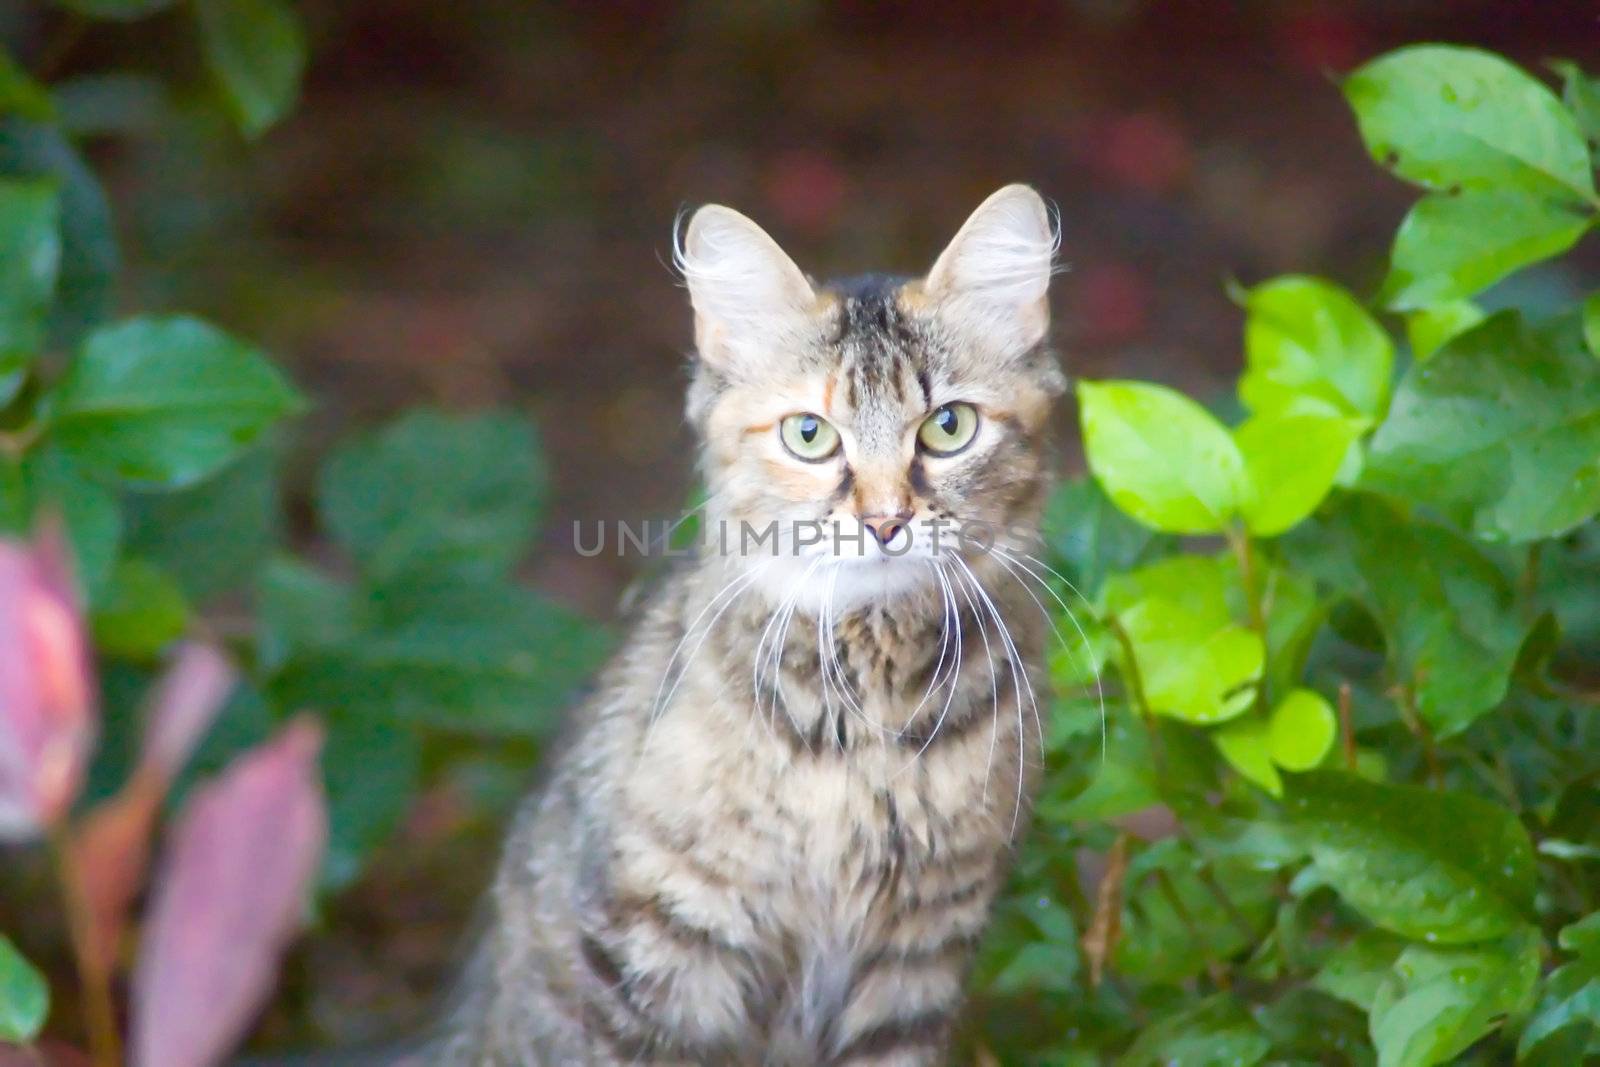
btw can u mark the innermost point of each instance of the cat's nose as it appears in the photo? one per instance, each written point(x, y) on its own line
point(885, 527)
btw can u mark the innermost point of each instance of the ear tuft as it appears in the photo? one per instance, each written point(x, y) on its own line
point(995, 273)
point(746, 290)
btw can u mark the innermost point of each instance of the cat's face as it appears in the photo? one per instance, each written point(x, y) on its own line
point(860, 437)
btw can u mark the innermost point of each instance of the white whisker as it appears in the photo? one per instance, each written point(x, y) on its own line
point(994, 681)
point(952, 613)
point(1019, 671)
point(738, 586)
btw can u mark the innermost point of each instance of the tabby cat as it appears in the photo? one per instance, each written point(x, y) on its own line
point(784, 814)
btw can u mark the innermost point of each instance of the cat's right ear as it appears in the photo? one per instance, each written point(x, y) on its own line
point(749, 297)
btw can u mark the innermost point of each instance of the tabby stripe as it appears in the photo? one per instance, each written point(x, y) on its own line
point(601, 962)
point(923, 1029)
point(950, 951)
point(964, 893)
point(681, 850)
point(630, 913)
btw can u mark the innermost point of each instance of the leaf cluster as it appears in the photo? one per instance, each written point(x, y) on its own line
point(1322, 779)
point(162, 443)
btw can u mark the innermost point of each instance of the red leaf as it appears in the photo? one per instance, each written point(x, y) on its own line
point(47, 704)
point(229, 896)
point(110, 851)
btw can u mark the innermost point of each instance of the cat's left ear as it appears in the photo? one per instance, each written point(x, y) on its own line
point(991, 280)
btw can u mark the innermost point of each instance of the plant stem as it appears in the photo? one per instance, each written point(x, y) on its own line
point(99, 1011)
point(1131, 674)
point(1244, 552)
point(1347, 729)
point(1407, 703)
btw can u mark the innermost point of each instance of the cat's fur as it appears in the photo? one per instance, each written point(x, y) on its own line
point(736, 863)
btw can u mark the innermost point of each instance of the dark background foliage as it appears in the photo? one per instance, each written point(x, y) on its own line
point(471, 206)
point(474, 201)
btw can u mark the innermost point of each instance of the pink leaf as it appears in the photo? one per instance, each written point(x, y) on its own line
point(186, 700)
point(112, 845)
point(47, 705)
point(228, 898)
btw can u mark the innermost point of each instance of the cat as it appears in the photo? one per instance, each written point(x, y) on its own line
point(776, 832)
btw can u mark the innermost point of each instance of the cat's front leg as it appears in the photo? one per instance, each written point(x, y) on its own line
point(904, 999)
point(672, 987)
point(899, 1014)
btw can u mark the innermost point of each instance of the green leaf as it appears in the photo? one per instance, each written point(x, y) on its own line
point(1431, 328)
point(48, 482)
point(301, 610)
point(1438, 1001)
point(164, 402)
point(1118, 777)
point(257, 52)
point(1310, 1028)
point(1501, 428)
point(1591, 324)
point(1582, 96)
point(30, 255)
point(1452, 247)
point(1302, 730)
point(1161, 457)
point(1358, 967)
point(1213, 1032)
point(1448, 614)
point(1035, 948)
point(141, 613)
point(1196, 663)
point(1310, 348)
point(1173, 925)
point(1569, 998)
point(432, 490)
point(211, 537)
point(117, 10)
point(1078, 658)
point(1445, 117)
point(1582, 938)
point(1246, 745)
point(1293, 614)
point(1426, 864)
point(479, 658)
point(86, 278)
point(24, 997)
point(1290, 463)
point(372, 769)
point(1090, 539)
point(20, 94)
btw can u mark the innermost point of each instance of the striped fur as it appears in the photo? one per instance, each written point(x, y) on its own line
point(776, 833)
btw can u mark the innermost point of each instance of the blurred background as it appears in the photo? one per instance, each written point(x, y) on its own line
point(472, 205)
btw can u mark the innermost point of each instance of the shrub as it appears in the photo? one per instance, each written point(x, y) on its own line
point(1324, 751)
point(155, 440)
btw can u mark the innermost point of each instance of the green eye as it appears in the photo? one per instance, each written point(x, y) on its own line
point(809, 437)
point(949, 429)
